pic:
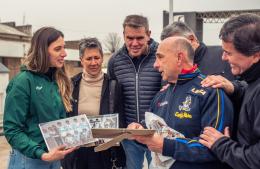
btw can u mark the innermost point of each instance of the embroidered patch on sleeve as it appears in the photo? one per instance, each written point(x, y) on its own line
point(198, 91)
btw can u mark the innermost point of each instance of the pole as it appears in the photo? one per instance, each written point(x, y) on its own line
point(170, 11)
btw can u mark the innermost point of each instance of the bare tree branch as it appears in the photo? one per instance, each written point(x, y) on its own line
point(112, 42)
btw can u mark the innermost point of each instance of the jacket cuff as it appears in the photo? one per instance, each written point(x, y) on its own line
point(38, 153)
point(168, 147)
point(216, 147)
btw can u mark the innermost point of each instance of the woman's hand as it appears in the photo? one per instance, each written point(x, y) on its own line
point(57, 153)
point(217, 81)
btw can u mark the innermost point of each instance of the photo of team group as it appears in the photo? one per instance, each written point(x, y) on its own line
point(71, 132)
point(104, 121)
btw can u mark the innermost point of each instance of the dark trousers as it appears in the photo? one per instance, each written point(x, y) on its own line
point(86, 158)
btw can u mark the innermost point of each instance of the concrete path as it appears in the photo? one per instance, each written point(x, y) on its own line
point(4, 152)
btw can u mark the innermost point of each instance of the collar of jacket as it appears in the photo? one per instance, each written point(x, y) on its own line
point(183, 78)
point(76, 79)
point(50, 74)
point(76, 89)
point(199, 53)
point(252, 73)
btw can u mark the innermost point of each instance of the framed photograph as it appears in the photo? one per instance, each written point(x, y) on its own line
point(71, 132)
point(104, 121)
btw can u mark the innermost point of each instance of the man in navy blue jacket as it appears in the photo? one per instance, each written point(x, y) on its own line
point(186, 107)
point(132, 67)
point(208, 58)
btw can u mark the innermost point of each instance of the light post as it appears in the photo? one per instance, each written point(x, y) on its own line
point(170, 11)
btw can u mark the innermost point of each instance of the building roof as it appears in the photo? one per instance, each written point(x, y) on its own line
point(3, 69)
point(5, 29)
point(73, 44)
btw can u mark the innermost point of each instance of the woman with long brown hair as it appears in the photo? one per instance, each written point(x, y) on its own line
point(40, 93)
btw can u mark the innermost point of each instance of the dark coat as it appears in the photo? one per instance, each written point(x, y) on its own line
point(84, 155)
point(244, 153)
point(105, 96)
point(139, 84)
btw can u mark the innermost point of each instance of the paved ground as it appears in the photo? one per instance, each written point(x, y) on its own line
point(4, 152)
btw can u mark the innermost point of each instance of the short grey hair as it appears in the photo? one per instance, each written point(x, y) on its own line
point(89, 43)
point(176, 29)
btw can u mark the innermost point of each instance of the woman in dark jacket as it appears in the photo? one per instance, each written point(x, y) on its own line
point(95, 94)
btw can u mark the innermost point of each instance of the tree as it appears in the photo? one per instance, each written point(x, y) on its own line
point(112, 42)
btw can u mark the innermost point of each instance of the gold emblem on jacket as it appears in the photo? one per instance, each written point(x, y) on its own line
point(198, 91)
point(183, 115)
point(184, 109)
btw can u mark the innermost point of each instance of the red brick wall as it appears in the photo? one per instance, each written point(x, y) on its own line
point(73, 67)
point(13, 64)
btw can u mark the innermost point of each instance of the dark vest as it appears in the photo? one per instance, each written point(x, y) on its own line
point(139, 85)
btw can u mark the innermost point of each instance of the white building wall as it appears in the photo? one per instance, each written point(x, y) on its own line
point(19, 49)
point(4, 79)
point(72, 55)
point(13, 49)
